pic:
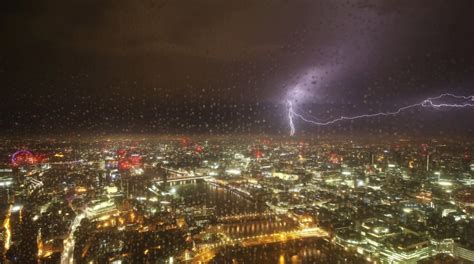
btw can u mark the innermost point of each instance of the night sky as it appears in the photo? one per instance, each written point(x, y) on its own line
point(214, 66)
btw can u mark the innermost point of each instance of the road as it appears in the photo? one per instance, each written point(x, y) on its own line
point(8, 231)
point(67, 256)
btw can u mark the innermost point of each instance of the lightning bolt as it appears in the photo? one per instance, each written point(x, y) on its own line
point(468, 101)
point(291, 115)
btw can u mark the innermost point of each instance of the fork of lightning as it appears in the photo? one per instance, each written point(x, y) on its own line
point(430, 102)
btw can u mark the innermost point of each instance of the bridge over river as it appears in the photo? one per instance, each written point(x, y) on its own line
point(207, 252)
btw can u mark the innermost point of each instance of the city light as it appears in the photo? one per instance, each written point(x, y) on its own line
point(214, 131)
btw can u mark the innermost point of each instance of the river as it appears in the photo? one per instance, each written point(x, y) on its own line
point(224, 201)
point(310, 250)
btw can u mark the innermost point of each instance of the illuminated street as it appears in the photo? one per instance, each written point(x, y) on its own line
point(67, 255)
point(237, 132)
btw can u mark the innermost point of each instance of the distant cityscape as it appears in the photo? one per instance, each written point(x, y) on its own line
point(251, 199)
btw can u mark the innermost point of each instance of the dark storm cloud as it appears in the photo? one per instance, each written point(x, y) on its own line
point(186, 52)
point(174, 44)
point(214, 29)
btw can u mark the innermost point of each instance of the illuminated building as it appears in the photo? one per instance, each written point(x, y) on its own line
point(464, 252)
point(405, 248)
point(101, 208)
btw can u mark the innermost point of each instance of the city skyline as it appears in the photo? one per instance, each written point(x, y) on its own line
point(233, 199)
